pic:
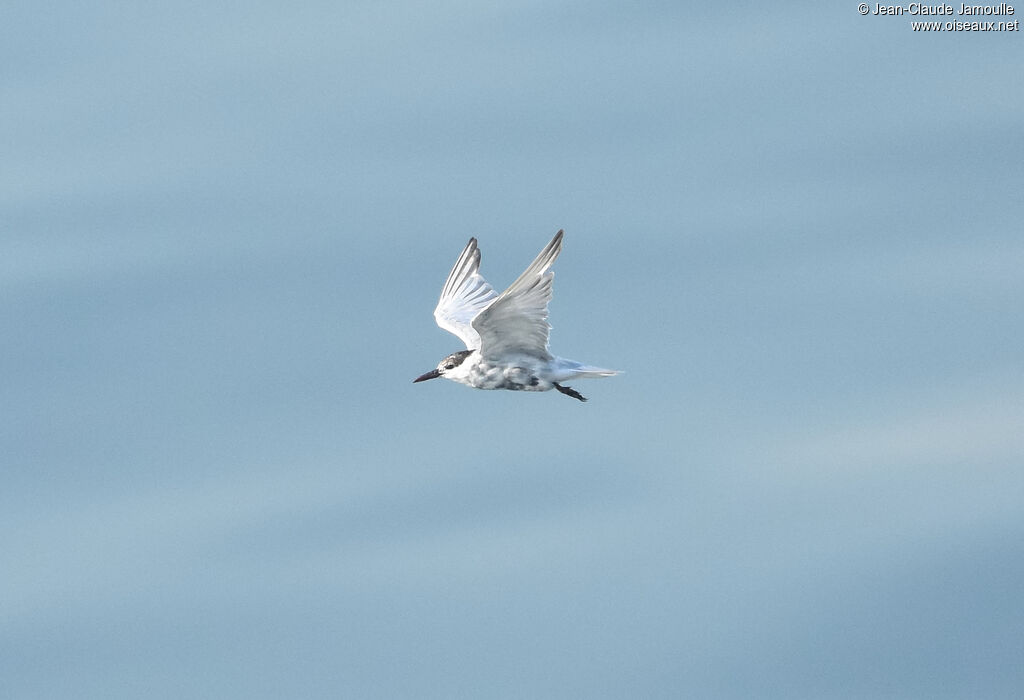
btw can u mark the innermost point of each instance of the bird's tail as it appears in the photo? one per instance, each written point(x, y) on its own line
point(575, 370)
point(587, 371)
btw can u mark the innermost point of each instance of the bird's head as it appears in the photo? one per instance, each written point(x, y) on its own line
point(444, 366)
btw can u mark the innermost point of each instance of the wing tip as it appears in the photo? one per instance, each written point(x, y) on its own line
point(556, 242)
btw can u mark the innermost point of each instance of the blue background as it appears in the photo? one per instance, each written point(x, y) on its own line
point(224, 228)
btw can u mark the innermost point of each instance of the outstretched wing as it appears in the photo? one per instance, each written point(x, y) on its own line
point(464, 295)
point(517, 321)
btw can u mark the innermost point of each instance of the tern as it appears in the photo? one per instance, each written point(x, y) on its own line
point(506, 335)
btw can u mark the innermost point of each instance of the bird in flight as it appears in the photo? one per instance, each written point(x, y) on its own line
point(506, 335)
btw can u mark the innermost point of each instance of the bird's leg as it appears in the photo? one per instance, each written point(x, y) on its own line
point(569, 391)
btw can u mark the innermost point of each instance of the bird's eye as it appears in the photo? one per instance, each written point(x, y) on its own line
point(449, 366)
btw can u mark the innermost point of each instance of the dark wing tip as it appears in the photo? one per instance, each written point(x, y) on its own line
point(474, 254)
point(556, 242)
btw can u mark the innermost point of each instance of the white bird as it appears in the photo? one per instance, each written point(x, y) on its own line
point(506, 335)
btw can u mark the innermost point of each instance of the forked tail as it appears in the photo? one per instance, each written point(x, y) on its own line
point(576, 370)
point(587, 372)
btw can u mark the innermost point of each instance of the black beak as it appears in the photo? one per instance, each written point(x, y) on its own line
point(432, 374)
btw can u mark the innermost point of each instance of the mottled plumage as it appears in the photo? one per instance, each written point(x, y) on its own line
point(506, 335)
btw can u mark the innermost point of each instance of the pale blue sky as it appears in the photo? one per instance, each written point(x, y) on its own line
point(223, 229)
